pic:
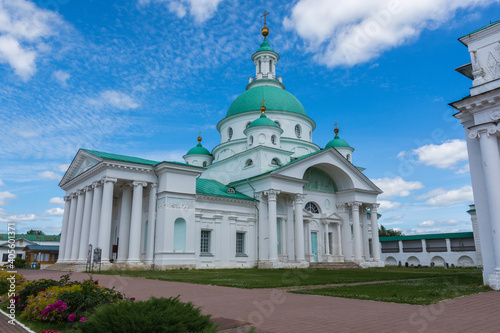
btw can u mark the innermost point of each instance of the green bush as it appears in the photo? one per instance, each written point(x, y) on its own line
point(19, 263)
point(32, 288)
point(4, 287)
point(154, 315)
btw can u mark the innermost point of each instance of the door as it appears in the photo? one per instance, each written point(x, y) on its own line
point(314, 245)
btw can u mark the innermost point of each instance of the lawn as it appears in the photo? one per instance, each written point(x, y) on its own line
point(421, 292)
point(276, 278)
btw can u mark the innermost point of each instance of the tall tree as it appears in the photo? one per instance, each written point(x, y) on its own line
point(35, 232)
point(383, 232)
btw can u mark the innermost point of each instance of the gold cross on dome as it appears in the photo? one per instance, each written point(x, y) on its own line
point(264, 16)
point(335, 124)
point(263, 100)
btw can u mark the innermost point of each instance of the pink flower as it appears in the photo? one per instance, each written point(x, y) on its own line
point(96, 282)
point(132, 298)
point(82, 319)
point(72, 317)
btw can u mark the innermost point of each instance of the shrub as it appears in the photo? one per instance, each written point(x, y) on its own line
point(19, 280)
point(19, 263)
point(32, 288)
point(154, 315)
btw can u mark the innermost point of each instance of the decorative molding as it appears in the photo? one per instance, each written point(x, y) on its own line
point(272, 194)
point(299, 198)
point(495, 115)
point(374, 208)
point(67, 197)
point(107, 179)
point(486, 129)
point(179, 203)
point(341, 208)
point(207, 198)
point(139, 183)
point(153, 185)
point(355, 205)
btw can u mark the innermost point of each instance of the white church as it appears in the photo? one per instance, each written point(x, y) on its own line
point(266, 196)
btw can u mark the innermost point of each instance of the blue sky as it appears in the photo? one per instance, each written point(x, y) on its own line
point(143, 77)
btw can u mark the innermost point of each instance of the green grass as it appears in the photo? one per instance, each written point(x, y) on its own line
point(420, 292)
point(276, 278)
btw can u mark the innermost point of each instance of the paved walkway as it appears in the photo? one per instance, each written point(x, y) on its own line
point(273, 310)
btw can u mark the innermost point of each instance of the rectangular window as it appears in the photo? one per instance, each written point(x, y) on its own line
point(240, 243)
point(5, 257)
point(205, 241)
point(20, 255)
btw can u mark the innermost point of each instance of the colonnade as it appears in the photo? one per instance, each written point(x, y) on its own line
point(88, 220)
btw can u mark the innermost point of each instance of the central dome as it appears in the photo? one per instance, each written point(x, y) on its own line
point(276, 99)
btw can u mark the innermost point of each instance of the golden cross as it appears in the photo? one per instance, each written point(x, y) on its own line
point(335, 124)
point(263, 102)
point(199, 134)
point(264, 16)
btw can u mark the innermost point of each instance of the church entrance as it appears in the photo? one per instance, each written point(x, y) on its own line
point(314, 245)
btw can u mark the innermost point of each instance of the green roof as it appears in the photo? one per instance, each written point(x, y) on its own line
point(54, 248)
point(33, 238)
point(276, 99)
point(263, 121)
point(198, 150)
point(265, 46)
point(337, 142)
point(216, 189)
point(428, 236)
point(486, 26)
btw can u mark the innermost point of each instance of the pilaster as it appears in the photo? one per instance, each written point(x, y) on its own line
point(153, 188)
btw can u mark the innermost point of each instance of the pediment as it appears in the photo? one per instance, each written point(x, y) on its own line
point(82, 162)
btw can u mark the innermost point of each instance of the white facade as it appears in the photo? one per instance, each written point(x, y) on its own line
point(21, 241)
point(268, 197)
point(479, 113)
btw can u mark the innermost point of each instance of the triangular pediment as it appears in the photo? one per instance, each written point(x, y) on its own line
point(82, 162)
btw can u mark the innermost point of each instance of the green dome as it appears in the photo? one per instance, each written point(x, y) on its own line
point(337, 142)
point(263, 121)
point(265, 46)
point(198, 150)
point(276, 99)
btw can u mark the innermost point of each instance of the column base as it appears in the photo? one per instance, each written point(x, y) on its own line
point(494, 280)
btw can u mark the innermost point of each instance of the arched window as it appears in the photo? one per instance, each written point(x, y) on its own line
point(248, 124)
point(311, 207)
point(230, 190)
point(248, 163)
point(250, 140)
point(297, 131)
point(230, 133)
point(275, 161)
point(273, 139)
point(180, 235)
point(260, 66)
point(204, 163)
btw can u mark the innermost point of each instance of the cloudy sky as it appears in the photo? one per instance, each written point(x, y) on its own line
point(142, 77)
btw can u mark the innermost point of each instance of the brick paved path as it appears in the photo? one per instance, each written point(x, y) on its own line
point(272, 310)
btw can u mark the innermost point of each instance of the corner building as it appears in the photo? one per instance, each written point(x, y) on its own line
point(266, 196)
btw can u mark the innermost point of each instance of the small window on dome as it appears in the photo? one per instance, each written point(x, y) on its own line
point(248, 163)
point(273, 139)
point(297, 131)
point(310, 136)
point(250, 140)
point(230, 190)
point(205, 163)
point(260, 66)
point(311, 207)
point(230, 133)
point(275, 161)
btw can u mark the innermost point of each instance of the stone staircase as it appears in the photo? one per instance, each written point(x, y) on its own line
point(66, 267)
point(334, 265)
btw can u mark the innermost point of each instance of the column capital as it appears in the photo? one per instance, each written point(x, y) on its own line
point(374, 207)
point(355, 205)
point(108, 180)
point(342, 207)
point(483, 130)
point(153, 185)
point(80, 191)
point(68, 197)
point(258, 196)
point(137, 183)
point(96, 183)
point(299, 198)
point(87, 188)
point(272, 194)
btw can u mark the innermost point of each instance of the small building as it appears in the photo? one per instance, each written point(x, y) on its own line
point(453, 248)
point(41, 255)
point(21, 241)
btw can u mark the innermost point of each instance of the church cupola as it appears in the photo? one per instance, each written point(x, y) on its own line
point(265, 60)
point(198, 155)
point(340, 145)
point(263, 131)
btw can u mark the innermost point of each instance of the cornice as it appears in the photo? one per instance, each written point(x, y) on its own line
point(208, 198)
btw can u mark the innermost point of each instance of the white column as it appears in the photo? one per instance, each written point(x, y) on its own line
point(71, 226)
point(400, 247)
point(263, 253)
point(357, 230)
point(77, 231)
point(124, 232)
point(87, 213)
point(491, 170)
point(290, 230)
point(375, 239)
point(95, 217)
point(299, 228)
point(339, 236)
point(134, 248)
point(448, 245)
point(327, 240)
point(424, 246)
point(364, 224)
point(272, 223)
point(64, 229)
point(151, 223)
point(105, 221)
point(345, 233)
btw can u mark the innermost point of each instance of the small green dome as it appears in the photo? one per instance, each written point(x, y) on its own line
point(198, 150)
point(277, 99)
point(263, 121)
point(265, 46)
point(337, 142)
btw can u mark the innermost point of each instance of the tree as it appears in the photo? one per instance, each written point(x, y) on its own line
point(383, 232)
point(35, 232)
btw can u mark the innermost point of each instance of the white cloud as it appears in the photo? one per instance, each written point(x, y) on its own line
point(431, 223)
point(442, 197)
point(5, 197)
point(49, 175)
point(395, 218)
point(177, 8)
point(396, 187)
point(23, 27)
point(386, 205)
point(443, 156)
point(116, 99)
point(349, 32)
point(62, 77)
point(201, 10)
point(464, 169)
point(55, 211)
point(63, 167)
point(18, 218)
point(57, 201)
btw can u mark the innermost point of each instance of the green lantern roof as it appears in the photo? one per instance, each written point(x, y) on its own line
point(199, 149)
point(263, 121)
point(337, 142)
point(265, 46)
point(277, 99)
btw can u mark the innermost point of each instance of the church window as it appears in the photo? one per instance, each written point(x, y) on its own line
point(250, 140)
point(297, 131)
point(273, 139)
point(275, 161)
point(260, 66)
point(311, 207)
point(248, 163)
point(230, 133)
point(205, 163)
point(205, 241)
point(248, 124)
point(240, 243)
point(230, 190)
point(180, 235)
